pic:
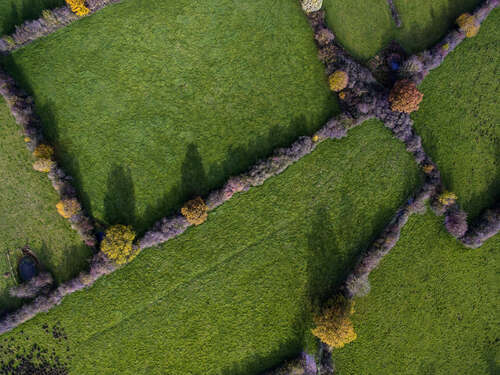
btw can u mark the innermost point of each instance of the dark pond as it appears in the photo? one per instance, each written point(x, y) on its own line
point(27, 268)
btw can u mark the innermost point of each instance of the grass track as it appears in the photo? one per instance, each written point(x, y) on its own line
point(150, 102)
point(231, 296)
point(28, 213)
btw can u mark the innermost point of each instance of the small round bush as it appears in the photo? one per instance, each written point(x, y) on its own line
point(334, 326)
point(117, 244)
point(447, 198)
point(195, 211)
point(78, 7)
point(310, 6)
point(43, 165)
point(468, 24)
point(338, 80)
point(43, 151)
point(405, 97)
point(68, 207)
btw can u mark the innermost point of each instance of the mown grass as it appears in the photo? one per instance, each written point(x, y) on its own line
point(366, 27)
point(150, 103)
point(15, 12)
point(232, 296)
point(28, 214)
point(459, 119)
point(433, 308)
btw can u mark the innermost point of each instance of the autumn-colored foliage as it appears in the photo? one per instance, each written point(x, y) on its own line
point(311, 5)
point(334, 326)
point(195, 211)
point(338, 80)
point(468, 24)
point(447, 198)
point(78, 7)
point(43, 151)
point(405, 97)
point(43, 165)
point(68, 207)
point(117, 244)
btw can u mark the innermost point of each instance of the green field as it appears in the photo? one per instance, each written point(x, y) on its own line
point(433, 308)
point(366, 27)
point(28, 214)
point(146, 117)
point(232, 295)
point(150, 102)
point(459, 119)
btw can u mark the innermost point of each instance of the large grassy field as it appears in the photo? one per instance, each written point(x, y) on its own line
point(433, 309)
point(151, 102)
point(434, 304)
point(28, 214)
point(459, 118)
point(232, 296)
point(366, 27)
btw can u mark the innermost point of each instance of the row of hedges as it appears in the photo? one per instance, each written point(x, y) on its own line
point(417, 67)
point(23, 110)
point(359, 93)
point(50, 21)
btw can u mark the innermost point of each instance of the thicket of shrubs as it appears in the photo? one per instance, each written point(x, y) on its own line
point(405, 97)
point(99, 266)
point(50, 21)
point(23, 110)
point(30, 289)
point(117, 244)
point(468, 26)
point(334, 326)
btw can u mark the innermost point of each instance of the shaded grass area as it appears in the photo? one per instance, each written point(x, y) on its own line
point(233, 296)
point(459, 119)
point(15, 12)
point(366, 27)
point(433, 308)
point(28, 214)
point(171, 99)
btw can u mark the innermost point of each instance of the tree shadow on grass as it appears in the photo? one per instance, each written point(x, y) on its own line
point(257, 364)
point(24, 10)
point(119, 202)
point(196, 181)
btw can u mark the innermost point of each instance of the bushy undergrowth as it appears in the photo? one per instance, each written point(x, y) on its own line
point(117, 244)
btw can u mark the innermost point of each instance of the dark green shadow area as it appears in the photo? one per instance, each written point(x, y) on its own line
point(157, 88)
point(366, 27)
point(15, 12)
point(234, 295)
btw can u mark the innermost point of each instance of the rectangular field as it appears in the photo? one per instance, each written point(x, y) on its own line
point(151, 102)
point(233, 295)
